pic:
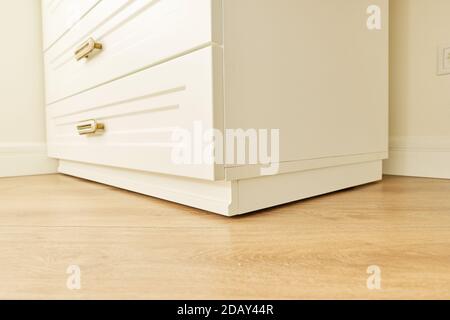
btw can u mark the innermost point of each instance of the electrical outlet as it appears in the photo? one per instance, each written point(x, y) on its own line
point(444, 60)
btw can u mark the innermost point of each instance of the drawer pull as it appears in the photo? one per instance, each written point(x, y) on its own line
point(90, 127)
point(87, 48)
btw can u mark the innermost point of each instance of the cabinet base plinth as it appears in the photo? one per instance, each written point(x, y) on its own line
point(231, 198)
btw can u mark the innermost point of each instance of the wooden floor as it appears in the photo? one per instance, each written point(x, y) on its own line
point(131, 246)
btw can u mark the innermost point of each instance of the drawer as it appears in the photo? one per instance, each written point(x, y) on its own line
point(135, 34)
point(140, 114)
point(61, 15)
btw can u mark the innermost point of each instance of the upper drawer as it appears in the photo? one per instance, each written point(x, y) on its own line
point(135, 34)
point(61, 15)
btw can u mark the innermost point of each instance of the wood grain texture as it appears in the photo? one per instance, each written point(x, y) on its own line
point(132, 246)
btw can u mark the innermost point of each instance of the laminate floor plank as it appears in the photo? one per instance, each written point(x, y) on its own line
point(130, 246)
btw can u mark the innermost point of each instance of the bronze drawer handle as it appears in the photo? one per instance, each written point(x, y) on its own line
point(86, 49)
point(90, 127)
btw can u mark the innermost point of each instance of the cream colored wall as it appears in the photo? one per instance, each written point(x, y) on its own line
point(419, 98)
point(22, 132)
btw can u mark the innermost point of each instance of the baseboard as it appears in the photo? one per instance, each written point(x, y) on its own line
point(419, 157)
point(231, 198)
point(21, 159)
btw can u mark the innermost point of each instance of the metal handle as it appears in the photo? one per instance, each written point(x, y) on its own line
point(90, 127)
point(86, 49)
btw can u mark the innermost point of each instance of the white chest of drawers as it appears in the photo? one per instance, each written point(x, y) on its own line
point(310, 69)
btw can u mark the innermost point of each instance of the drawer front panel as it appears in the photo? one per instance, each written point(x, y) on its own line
point(135, 34)
point(61, 15)
point(140, 113)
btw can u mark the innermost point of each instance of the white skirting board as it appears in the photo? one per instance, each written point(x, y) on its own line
point(231, 198)
point(419, 157)
point(25, 159)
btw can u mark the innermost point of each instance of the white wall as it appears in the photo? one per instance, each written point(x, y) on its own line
point(22, 131)
point(419, 98)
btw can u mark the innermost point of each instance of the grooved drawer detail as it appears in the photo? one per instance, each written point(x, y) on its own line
point(135, 34)
point(140, 114)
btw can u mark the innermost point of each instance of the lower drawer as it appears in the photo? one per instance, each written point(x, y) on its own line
point(141, 114)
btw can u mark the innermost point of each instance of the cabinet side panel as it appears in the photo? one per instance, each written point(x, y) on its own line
point(311, 68)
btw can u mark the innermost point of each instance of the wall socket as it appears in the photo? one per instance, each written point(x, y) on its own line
point(444, 60)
